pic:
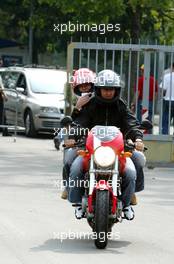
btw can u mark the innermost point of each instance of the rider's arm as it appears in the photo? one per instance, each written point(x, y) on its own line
point(84, 116)
point(82, 121)
point(75, 113)
point(82, 100)
point(129, 123)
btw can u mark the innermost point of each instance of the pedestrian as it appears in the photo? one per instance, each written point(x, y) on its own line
point(3, 98)
point(168, 91)
point(152, 84)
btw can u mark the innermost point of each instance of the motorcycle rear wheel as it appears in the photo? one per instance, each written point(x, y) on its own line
point(101, 218)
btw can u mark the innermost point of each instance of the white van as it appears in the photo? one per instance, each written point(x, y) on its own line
point(38, 96)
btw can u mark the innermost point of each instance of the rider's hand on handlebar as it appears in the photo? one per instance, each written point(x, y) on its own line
point(130, 142)
point(69, 143)
point(139, 145)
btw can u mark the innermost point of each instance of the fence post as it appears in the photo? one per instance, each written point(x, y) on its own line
point(68, 92)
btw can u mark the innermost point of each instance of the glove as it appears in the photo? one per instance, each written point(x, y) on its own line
point(69, 143)
point(139, 145)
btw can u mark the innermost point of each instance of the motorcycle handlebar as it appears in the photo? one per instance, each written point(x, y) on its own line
point(76, 144)
point(131, 146)
point(127, 146)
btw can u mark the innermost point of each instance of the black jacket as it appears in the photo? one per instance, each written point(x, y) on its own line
point(113, 114)
point(75, 113)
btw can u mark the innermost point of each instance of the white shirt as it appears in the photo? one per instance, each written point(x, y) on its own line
point(168, 86)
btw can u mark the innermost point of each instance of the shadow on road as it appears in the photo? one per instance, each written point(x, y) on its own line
point(81, 246)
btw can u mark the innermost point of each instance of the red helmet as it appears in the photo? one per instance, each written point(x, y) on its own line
point(83, 75)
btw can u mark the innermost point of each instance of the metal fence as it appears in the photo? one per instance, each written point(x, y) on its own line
point(127, 59)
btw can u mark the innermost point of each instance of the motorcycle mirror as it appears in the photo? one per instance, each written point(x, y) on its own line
point(146, 124)
point(65, 121)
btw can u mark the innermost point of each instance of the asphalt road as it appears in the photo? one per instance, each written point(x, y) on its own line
point(37, 227)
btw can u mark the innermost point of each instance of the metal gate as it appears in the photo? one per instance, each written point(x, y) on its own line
point(126, 60)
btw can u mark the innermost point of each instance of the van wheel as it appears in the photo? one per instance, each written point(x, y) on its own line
point(29, 125)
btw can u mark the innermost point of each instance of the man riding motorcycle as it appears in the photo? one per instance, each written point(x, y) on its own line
point(107, 109)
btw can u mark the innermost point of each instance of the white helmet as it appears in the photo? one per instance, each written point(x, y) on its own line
point(108, 78)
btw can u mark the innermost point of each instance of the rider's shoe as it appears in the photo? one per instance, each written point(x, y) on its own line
point(134, 200)
point(64, 194)
point(128, 213)
point(78, 211)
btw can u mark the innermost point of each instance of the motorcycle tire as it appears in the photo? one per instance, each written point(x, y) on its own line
point(101, 218)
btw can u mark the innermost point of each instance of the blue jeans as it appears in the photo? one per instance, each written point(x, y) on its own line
point(69, 155)
point(132, 180)
point(76, 176)
point(165, 119)
point(139, 161)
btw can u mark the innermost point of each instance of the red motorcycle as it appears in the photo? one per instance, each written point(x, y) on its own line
point(104, 159)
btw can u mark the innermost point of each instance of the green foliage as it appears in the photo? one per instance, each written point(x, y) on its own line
point(139, 19)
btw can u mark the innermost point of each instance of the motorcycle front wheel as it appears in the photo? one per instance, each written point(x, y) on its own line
point(101, 218)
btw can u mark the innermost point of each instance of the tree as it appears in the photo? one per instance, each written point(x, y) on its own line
point(139, 19)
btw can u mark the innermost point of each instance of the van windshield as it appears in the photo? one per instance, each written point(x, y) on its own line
point(47, 81)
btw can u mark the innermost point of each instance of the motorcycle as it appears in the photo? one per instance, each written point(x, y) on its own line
point(104, 155)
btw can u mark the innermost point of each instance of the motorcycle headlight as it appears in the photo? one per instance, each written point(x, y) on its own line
point(49, 110)
point(104, 156)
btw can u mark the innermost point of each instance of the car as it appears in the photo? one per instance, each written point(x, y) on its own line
point(35, 98)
